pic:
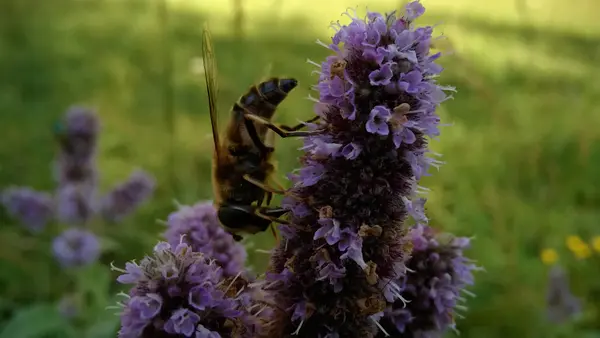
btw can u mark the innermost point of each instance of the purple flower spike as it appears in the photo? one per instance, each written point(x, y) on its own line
point(126, 197)
point(32, 208)
point(75, 165)
point(76, 247)
point(439, 273)
point(197, 301)
point(199, 227)
point(343, 260)
point(77, 136)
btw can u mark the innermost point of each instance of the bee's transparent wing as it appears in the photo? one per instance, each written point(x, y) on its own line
point(210, 76)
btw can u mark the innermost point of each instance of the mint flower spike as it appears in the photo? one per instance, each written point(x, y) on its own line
point(199, 227)
point(75, 168)
point(180, 293)
point(77, 136)
point(345, 252)
point(438, 276)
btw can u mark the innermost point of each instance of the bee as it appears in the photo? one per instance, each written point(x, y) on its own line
point(241, 160)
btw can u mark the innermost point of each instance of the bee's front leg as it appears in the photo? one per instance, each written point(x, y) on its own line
point(300, 125)
point(282, 131)
point(272, 214)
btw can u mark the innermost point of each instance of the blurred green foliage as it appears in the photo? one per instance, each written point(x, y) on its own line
point(523, 152)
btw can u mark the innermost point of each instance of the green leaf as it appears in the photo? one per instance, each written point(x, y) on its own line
point(109, 245)
point(590, 334)
point(103, 329)
point(35, 321)
point(94, 282)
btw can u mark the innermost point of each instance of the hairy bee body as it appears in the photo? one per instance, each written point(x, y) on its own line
point(240, 154)
point(241, 163)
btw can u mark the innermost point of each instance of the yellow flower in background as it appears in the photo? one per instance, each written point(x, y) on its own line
point(549, 256)
point(596, 243)
point(584, 252)
point(578, 247)
point(574, 243)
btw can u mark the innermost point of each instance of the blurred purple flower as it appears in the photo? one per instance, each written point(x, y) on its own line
point(32, 208)
point(180, 293)
point(75, 165)
point(81, 122)
point(200, 228)
point(77, 136)
point(126, 197)
point(344, 254)
point(76, 247)
point(438, 274)
point(562, 304)
point(68, 306)
point(74, 203)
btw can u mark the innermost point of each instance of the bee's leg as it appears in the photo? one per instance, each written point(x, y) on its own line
point(300, 125)
point(280, 130)
point(263, 186)
point(268, 198)
point(272, 214)
point(276, 182)
point(274, 232)
point(255, 139)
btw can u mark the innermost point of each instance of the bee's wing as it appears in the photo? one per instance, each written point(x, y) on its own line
point(210, 75)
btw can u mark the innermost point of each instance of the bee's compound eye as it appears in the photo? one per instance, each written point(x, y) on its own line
point(287, 84)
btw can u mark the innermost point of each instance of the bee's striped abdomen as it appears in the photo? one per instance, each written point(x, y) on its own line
point(265, 97)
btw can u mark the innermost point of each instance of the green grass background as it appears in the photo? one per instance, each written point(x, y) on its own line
point(523, 151)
